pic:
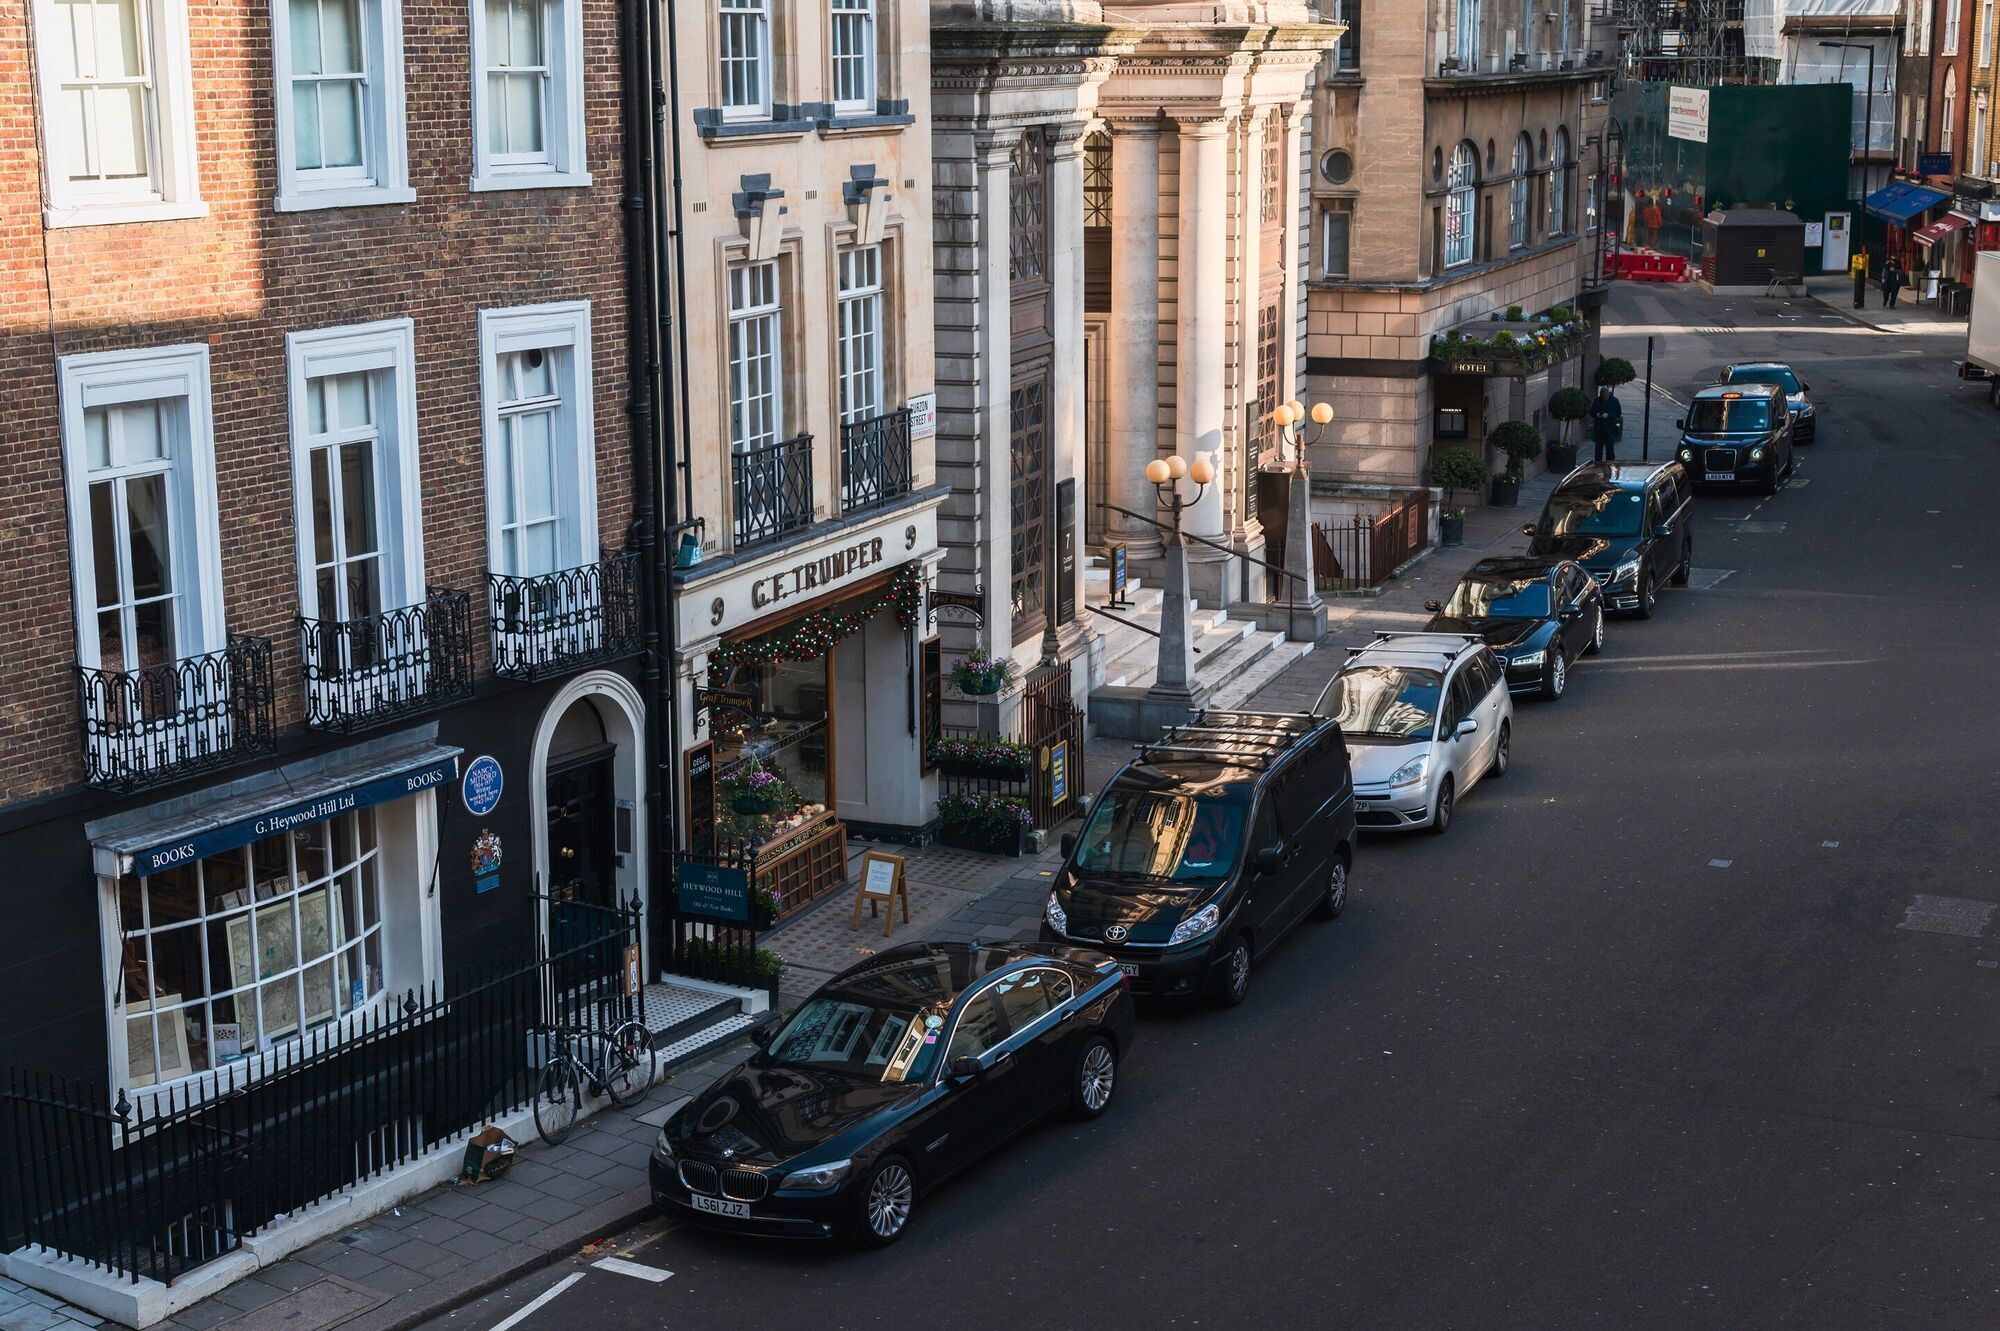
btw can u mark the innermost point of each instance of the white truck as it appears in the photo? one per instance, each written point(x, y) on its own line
point(1982, 334)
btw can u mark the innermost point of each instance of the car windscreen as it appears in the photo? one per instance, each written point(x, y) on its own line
point(1500, 598)
point(1160, 836)
point(862, 1037)
point(1729, 415)
point(1599, 513)
point(1766, 374)
point(1384, 701)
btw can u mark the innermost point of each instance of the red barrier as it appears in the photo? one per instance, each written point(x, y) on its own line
point(1643, 265)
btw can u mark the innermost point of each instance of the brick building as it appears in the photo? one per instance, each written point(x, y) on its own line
point(319, 471)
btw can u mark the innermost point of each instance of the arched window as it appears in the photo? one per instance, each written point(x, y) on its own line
point(1461, 205)
point(1562, 172)
point(1517, 196)
point(1950, 110)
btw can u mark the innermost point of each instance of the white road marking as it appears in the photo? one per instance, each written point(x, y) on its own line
point(1737, 665)
point(539, 1301)
point(1720, 864)
point(1829, 845)
point(619, 1266)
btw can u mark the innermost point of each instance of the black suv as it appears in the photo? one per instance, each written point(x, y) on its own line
point(1738, 434)
point(1626, 523)
point(1203, 852)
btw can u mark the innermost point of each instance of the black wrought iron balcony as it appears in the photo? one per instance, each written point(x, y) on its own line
point(163, 722)
point(558, 622)
point(772, 490)
point(874, 460)
point(361, 672)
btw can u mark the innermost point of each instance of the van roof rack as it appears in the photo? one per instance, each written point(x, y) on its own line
point(1239, 739)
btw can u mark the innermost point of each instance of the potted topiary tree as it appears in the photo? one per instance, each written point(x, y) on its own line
point(1615, 371)
point(1568, 405)
point(1455, 470)
point(1521, 442)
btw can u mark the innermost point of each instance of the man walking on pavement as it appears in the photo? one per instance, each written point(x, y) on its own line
point(1607, 422)
point(1892, 283)
point(1858, 266)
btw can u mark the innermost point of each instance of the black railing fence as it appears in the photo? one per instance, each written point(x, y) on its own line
point(561, 621)
point(1352, 553)
point(361, 672)
point(178, 718)
point(153, 1183)
point(772, 490)
point(1051, 725)
point(874, 460)
point(721, 951)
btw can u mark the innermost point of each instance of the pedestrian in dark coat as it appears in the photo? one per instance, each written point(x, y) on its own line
point(1607, 422)
point(1893, 281)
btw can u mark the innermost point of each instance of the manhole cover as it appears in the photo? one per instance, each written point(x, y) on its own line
point(322, 1304)
point(1948, 915)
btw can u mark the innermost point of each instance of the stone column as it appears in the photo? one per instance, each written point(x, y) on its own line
point(1202, 328)
point(1066, 405)
point(1132, 351)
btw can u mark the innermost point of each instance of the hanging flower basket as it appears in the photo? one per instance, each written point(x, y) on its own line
point(756, 791)
point(755, 804)
point(979, 675)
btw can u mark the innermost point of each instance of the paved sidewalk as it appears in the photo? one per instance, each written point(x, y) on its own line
point(1837, 293)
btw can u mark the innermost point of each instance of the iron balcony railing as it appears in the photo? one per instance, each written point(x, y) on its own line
point(556, 622)
point(772, 490)
point(361, 672)
point(162, 722)
point(874, 460)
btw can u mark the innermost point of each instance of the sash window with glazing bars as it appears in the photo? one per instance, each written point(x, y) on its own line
point(853, 55)
point(756, 355)
point(745, 41)
point(1028, 454)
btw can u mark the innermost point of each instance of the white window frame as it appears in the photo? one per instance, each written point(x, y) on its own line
point(1462, 198)
point(386, 348)
point(173, 190)
point(1985, 34)
point(738, 321)
point(384, 124)
point(1518, 230)
point(564, 162)
point(1561, 169)
point(1340, 207)
point(852, 305)
point(1952, 11)
point(764, 63)
point(862, 13)
point(1950, 109)
point(562, 327)
point(112, 378)
point(1466, 38)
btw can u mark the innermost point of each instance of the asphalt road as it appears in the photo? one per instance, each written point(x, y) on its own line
point(1640, 1043)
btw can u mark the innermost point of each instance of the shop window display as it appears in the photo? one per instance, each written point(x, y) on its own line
point(772, 744)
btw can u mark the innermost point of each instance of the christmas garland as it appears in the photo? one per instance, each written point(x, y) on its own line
point(813, 636)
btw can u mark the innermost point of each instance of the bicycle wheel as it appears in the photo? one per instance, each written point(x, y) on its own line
point(557, 1101)
point(630, 1063)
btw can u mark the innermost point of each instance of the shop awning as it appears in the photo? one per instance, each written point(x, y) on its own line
point(1931, 233)
point(187, 830)
point(1901, 201)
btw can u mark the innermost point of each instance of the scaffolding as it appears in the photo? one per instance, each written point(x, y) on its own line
point(1694, 42)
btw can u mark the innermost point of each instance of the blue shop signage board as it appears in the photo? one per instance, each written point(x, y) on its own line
point(1933, 164)
point(713, 891)
point(483, 783)
point(320, 808)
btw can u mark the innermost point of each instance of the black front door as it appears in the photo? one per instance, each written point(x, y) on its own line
point(587, 931)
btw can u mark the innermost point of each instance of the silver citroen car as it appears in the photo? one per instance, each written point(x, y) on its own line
point(1426, 717)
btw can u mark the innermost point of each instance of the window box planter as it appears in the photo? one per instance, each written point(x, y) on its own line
point(986, 840)
point(999, 771)
point(995, 824)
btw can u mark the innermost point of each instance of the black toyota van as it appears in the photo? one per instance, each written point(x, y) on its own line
point(1205, 851)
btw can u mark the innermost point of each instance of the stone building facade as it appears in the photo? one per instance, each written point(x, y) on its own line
point(1454, 178)
point(1118, 224)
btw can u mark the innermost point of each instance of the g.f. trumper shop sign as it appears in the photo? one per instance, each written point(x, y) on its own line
point(815, 574)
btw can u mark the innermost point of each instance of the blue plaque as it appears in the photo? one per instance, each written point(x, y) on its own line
point(482, 785)
point(714, 891)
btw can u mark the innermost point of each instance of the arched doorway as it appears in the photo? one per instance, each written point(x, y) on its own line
point(589, 788)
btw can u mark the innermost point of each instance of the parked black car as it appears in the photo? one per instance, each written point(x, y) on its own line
point(1626, 523)
point(1537, 614)
point(1738, 436)
point(1798, 394)
point(1204, 852)
point(897, 1073)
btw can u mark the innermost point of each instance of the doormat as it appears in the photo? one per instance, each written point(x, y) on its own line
point(324, 1303)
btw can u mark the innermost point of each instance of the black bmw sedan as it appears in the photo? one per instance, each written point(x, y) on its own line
point(892, 1077)
point(1537, 614)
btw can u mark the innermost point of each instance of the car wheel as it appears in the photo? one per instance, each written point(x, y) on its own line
point(1503, 751)
point(1096, 1079)
point(1686, 569)
point(887, 1200)
point(1441, 815)
point(1647, 596)
point(1233, 986)
point(1596, 635)
point(1334, 900)
point(1556, 678)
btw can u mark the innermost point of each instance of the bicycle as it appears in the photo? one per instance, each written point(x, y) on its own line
point(620, 1064)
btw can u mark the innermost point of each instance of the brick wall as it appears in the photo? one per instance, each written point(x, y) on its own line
point(239, 280)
